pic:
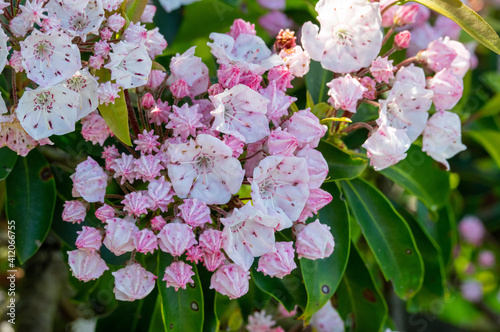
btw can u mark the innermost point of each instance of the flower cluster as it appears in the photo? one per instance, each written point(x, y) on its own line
point(45, 44)
point(212, 176)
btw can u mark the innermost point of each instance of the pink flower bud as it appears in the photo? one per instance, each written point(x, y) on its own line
point(282, 76)
point(16, 61)
point(180, 89)
point(86, 265)
point(157, 223)
point(472, 290)
point(133, 282)
point(147, 142)
point(145, 241)
point(178, 275)
point(406, 15)
point(282, 143)
point(106, 34)
point(306, 127)
point(89, 238)
point(318, 198)
point(472, 230)
point(316, 166)
point(345, 92)
point(105, 212)
point(215, 89)
point(371, 87)
point(51, 23)
point(315, 241)
point(116, 22)
point(229, 76)
point(448, 89)
point(235, 144)
point(195, 212)
point(136, 203)
point(102, 48)
point(212, 260)
point(156, 78)
point(486, 258)
point(148, 100)
point(160, 194)
point(382, 69)
point(279, 263)
point(119, 237)
point(194, 254)
point(95, 129)
point(402, 39)
point(176, 238)
point(230, 280)
point(241, 27)
point(251, 80)
point(89, 181)
point(74, 211)
point(96, 61)
point(148, 14)
point(438, 55)
point(211, 240)
point(148, 167)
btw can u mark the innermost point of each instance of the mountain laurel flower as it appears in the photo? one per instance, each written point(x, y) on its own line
point(350, 36)
point(74, 211)
point(438, 55)
point(235, 144)
point(86, 265)
point(130, 64)
point(448, 89)
point(4, 50)
point(157, 223)
point(148, 167)
point(105, 213)
point(89, 238)
point(120, 235)
point(316, 201)
point(442, 137)
point(462, 62)
point(192, 70)
point(148, 14)
point(147, 142)
point(486, 258)
point(306, 127)
point(316, 165)
point(160, 194)
point(280, 263)
point(176, 238)
point(386, 146)
point(48, 111)
point(382, 69)
point(145, 241)
point(315, 241)
point(327, 319)
point(124, 168)
point(50, 58)
point(402, 39)
point(241, 112)
point(297, 60)
point(230, 280)
point(156, 78)
point(282, 143)
point(194, 212)
point(95, 129)
point(133, 282)
point(185, 121)
point(248, 233)
point(204, 169)
point(212, 260)
point(178, 275)
point(472, 230)
point(211, 240)
point(89, 181)
point(115, 22)
point(345, 92)
point(136, 203)
point(260, 322)
point(279, 102)
point(406, 15)
point(107, 92)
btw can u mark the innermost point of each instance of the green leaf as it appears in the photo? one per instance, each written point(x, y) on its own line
point(7, 161)
point(422, 177)
point(489, 140)
point(316, 80)
point(31, 195)
point(342, 165)
point(116, 116)
point(134, 9)
point(360, 303)
point(156, 323)
point(322, 276)
point(289, 291)
point(468, 19)
point(388, 236)
point(182, 310)
point(491, 108)
point(434, 284)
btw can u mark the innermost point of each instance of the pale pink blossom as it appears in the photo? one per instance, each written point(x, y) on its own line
point(306, 127)
point(86, 265)
point(316, 165)
point(116, 22)
point(160, 194)
point(204, 169)
point(235, 144)
point(145, 241)
point(279, 102)
point(406, 15)
point(382, 69)
point(96, 61)
point(86, 86)
point(148, 14)
point(194, 212)
point(136, 203)
point(280, 188)
point(241, 27)
point(386, 146)
point(279, 263)
point(176, 238)
point(241, 112)
point(74, 211)
point(157, 223)
point(260, 322)
point(147, 100)
point(248, 233)
point(95, 129)
point(185, 121)
point(109, 154)
point(111, 5)
point(462, 62)
point(282, 143)
point(442, 137)
point(147, 142)
point(105, 213)
point(14, 136)
point(133, 282)
point(486, 258)
point(89, 238)
point(211, 240)
point(318, 198)
point(192, 70)
point(156, 78)
point(4, 49)
point(472, 230)
point(107, 92)
point(282, 76)
point(274, 21)
point(178, 275)
point(89, 181)
point(106, 34)
point(371, 87)
point(212, 260)
point(230, 280)
point(315, 241)
point(16, 61)
point(345, 92)
point(194, 255)
point(327, 319)
point(156, 43)
point(350, 36)
point(160, 113)
point(130, 64)
point(297, 60)
point(438, 55)
point(120, 235)
point(147, 167)
point(124, 168)
point(179, 89)
point(472, 290)
point(102, 48)
point(402, 39)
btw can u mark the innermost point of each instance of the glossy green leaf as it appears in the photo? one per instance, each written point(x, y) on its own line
point(468, 19)
point(360, 303)
point(388, 236)
point(7, 161)
point(322, 276)
point(422, 177)
point(182, 310)
point(116, 116)
point(341, 164)
point(434, 284)
point(490, 141)
point(134, 9)
point(289, 291)
point(316, 80)
point(31, 195)
point(491, 108)
point(156, 323)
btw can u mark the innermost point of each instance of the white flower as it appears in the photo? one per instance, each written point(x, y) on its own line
point(86, 86)
point(4, 50)
point(130, 64)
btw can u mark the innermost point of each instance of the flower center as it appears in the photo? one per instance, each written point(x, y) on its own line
point(343, 34)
